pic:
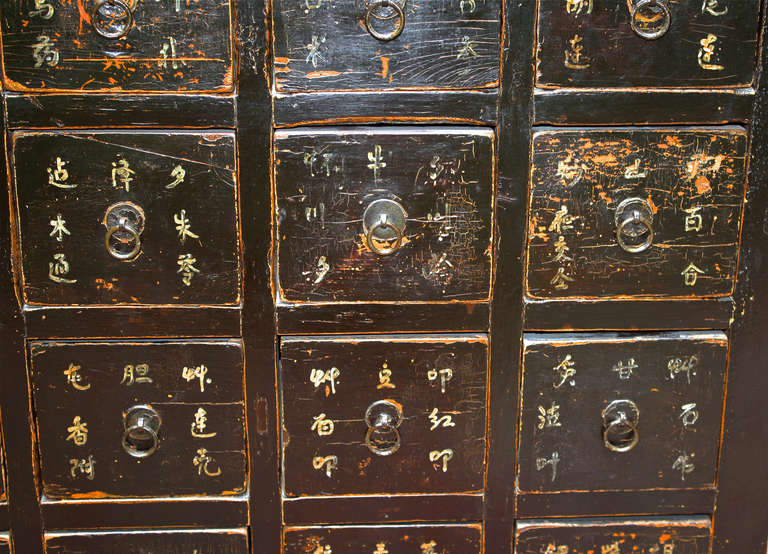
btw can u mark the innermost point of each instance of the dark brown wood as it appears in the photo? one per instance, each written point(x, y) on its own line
point(442, 180)
point(170, 47)
point(202, 541)
point(79, 437)
point(427, 539)
point(437, 384)
point(690, 181)
point(5, 543)
point(188, 233)
point(681, 535)
point(322, 47)
point(608, 53)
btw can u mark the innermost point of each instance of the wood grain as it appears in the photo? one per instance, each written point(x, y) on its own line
point(201, 541)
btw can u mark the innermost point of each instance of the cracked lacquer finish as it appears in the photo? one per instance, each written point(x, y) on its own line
point(688, 187)
point(175, 541)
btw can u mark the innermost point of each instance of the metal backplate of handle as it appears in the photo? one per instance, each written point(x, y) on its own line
point(384, 226)
point(650, 19)
point(125, 224)
point(141, 425)
point(113, 19)
point(383, 418)
point(634, 225)
point(620, 422)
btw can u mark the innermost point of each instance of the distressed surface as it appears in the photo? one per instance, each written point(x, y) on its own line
point(198, 541)
point(653, 371)
point(612, 55)
point(325, 179)
point(101, 400)
point(323, 45)
point(416, 539)
point(188, 49)
point(589, 172)
point(360, 361)
point(653, 535)
point(207, 195)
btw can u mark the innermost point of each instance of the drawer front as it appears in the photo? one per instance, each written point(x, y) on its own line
point(635, 212)
point(125, 218)
point(598, 43)
point(198, 541)
point(653, 535)
point(117, 45)
point(395, 214)
point(139, 419)
point(402, 539)
point(5, 544)
point(620, 412)
point(353, 45)
point(388, 414)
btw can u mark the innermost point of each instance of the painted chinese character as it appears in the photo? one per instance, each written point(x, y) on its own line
point(625, 369)
point(549, 417)
point(201, 462)
point(74, 378)
point(684, 465)
point(706, 52)
point(385, 378)
point(57, 176)
point(381, 548)
point(553, 548)
point(541, 463)
point(693, 220)
point(579, 6)
point(467, 6)
point(561, 280)
point(429, 547)
point(83, 467)
point(330, 463)
point(198, 372)
point(44, 52)
point(377, 162)
point(564, 371)
point(467, 49)
point(314, 57)
point(78, 431)
point(320, 376)
point(691, 274)
point(561, 251)
point(42, 9)
point(634, 171)
point(711, 7)
point(445, 374)
point(59, 228)
point(182, 226)
point(322, 426)
point(574, 58)
point(178, 175)
point(690, 414)
point(59, 267)
point(669, 548)
point(168, 51)
point(445, 420)
point(136, 374)
point(200, 424)
point(563, 221)
point(187, 268)
point(682, 365)
point(322, 549)
point(441, 458)
point(612, 548)
point(122, 174)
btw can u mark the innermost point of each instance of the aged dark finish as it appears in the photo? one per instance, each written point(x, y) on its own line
point(334, 389)
point(443, 45)
point(181, 185)
point(176, 381)
point(202, 541)
point(686, 187)
point(585, 536)
point(53, 46)
point(592, 44)
point(446, 539)
point(327, 178)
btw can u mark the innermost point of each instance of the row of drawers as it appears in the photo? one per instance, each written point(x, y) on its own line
point(362, 214)
point(324, 45)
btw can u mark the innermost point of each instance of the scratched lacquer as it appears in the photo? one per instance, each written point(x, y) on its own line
point(127, 218)
point(173, 541)
point(105, 45)
point(430, 193)
point(635, 212)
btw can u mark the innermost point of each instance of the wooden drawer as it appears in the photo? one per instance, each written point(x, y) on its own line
point(400, 539)
point(71, 46)
point(383, 414)
point(5, 544)
point(621, 412)
point(127, 218)
point(390, 214)
point(139, 419)
point(642, 212)
point(170, 541)
point(598, 43)
point(324, 46)
point(651, 535)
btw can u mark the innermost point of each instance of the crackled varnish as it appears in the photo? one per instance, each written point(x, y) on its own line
point(174, 541)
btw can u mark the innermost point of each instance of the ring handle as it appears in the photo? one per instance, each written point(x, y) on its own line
point(399, 13)
point(112, 18)
point(645, 23)
point(384, 221)
point(619, 422)
point(140, 438)
point(382, 443)
point(369, 238)
point(135, 238)
point(621, 414)
point(634, 218)
point(383, 417)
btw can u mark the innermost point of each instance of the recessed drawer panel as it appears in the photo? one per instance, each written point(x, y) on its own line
point(402, 539)
point(198, 541)
point(642, 212)
point(620, 412)
point(644, 43)
point(386, 44)
point(393, 214)
point(139, 419)
point(386, 414)
point(652, 535)
point(117, 45)
point(127, 218)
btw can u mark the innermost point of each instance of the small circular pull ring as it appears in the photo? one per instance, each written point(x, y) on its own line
point(112, 18)
point(141, 425)
point(650, 19)
point(382, 443)
point(621, 422)
point(384, 223)
point(371, 240)
point(399, 26)
point(634, 219)
point(383, 417)
point(123, 226)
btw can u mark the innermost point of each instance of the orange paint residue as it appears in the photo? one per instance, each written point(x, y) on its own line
point(605, 159)
point(673, 140)
point(283, 61)
point(321, 74)
point(384, 67)
point(84, 16)
point(654, 207)
point(702, 185)
point(665, 537)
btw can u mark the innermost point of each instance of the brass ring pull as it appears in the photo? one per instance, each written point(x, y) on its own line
point(384, 226)
point(370, 240)
point(140, 437)
point(383, 417)
point(382, 444)
point(123, 225)
point(650, 25)
point(112, 18)
point(634, 218)
point(620, 422)
point(621, 415)
point(399, 12)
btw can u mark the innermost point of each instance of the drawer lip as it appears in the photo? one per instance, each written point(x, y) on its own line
point(182, 530)
point(402, 338)
point(371, 130)
point(672, 521)
point(598, 337)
